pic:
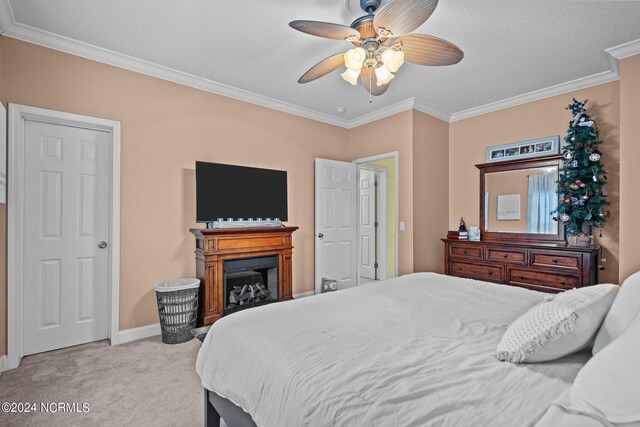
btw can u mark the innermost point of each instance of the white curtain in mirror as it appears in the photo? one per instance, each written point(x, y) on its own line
point(542, 201)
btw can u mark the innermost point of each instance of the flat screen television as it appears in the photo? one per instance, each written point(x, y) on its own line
point(229, 191)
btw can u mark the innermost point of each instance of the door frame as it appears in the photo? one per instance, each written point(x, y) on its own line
point(394, 155)
point(382, 208)
point(15, 217)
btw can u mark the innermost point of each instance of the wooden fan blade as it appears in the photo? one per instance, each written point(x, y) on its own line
point(400, 17)
point(422, 49)
point(368, 77)
point(322, 68)
point(326, 30)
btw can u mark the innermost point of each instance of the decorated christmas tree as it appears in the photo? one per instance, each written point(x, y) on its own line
point(581, 186)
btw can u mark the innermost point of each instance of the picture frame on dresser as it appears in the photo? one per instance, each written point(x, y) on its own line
point(474, 233)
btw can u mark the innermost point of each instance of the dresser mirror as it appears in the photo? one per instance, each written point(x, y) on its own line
point(517, 199)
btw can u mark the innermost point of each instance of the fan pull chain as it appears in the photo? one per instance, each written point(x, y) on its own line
point(370, 82)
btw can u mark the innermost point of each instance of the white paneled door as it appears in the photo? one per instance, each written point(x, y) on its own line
point(336, 222)
point(66, 227)
point(368, 224)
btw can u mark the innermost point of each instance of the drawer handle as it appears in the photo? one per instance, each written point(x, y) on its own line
point(521, 276)
point(465, 252)
point(505, 256)
point(490, 273)
point(459, 268)
point(562, 283)
point(555, 261)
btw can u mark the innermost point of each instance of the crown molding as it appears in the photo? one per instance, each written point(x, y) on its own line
point(390, 110)
point(399, 107)
point(624, 50)
point(10, 28)
point(614, 55)
point(65, 44)
point(581, 83)
point(6, 16)
point(423, 107)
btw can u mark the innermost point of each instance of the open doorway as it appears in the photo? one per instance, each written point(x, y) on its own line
point(377, 213)
point(339, 232)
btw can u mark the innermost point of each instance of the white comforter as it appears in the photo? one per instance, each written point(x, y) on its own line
point(416, 350)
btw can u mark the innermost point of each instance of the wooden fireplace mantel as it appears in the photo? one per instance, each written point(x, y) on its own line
point(214, 246)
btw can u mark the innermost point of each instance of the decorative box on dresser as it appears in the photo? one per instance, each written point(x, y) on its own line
point(547, 267)
point(215, 246)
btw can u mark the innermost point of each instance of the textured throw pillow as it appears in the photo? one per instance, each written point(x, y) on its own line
point(607, 388)
point(558, 327)
point(625, 308)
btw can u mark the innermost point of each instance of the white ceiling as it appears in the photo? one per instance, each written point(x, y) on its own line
point(511, 47)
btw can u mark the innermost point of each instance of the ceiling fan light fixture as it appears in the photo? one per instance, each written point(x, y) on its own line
point(351, 76)
point(354, 58)
point(393, 59)
point(382, 41)
point(383, 75)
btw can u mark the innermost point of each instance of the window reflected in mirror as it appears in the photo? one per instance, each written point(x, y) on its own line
point(521, 201)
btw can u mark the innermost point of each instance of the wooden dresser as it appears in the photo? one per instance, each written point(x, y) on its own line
point(547, 267)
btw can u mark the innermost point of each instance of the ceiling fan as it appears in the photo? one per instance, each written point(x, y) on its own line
point(382, 43)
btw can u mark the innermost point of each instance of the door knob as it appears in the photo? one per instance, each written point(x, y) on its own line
point(320, 235)
point(102, 244)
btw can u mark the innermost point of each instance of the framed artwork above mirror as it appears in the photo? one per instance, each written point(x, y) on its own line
point(518, 199)
point(541, 147)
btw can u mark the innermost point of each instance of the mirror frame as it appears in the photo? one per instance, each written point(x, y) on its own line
point(512, 165)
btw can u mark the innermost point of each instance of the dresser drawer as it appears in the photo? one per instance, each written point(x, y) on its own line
point(511, 256)
point(516, 276)
point(491, 273)
point(466, 252)
point(556, 259)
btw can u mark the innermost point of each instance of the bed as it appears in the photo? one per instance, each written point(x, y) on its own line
point(414, 350)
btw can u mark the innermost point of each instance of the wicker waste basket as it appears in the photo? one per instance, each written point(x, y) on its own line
point(178, 309)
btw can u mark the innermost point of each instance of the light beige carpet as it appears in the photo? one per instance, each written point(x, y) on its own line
point(142, 383)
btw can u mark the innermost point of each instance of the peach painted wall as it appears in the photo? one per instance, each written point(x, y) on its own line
point(430, 191)
point(166, 127)
point(629, 166)
point(469, 138)
point(392, 133)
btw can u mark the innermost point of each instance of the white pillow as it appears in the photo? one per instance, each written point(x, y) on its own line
point(624, 309)
point(608, 386)
point(558, 327)
point(556, 416)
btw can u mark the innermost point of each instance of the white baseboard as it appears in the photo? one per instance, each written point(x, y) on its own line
point(7, 363)
point(125, 336)
point(134, 334)
point(303, 294)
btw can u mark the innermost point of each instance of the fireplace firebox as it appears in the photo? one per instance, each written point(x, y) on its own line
point(249, 282)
